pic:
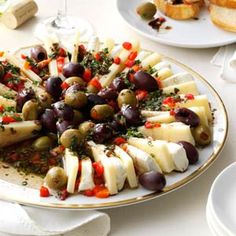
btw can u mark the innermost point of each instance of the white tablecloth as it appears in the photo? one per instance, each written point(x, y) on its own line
point(183, 211)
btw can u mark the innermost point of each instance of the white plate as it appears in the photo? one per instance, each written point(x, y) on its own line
point(222, 200)
point(201, 33)
point(30, 196)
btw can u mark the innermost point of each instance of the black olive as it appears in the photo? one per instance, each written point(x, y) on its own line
point(72, 69)
point(53, 87)
point(102, 133)
point(22, 97)
point(131, 114)
point(191, 151)
point(38, 53)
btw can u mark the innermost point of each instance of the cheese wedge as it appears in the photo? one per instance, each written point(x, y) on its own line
point(164, 73)
point(158, 149)
point(201, 112)
point(151, 60)
point(17, 132)
point(128, 165)
point(179, 157)
point(71, 166)
point(5, 102)
point(177, 79)
point(86, 178)
point(143, 161)
point(184, 88)
point(161, 117)
point(161, 65)
point(172, 132)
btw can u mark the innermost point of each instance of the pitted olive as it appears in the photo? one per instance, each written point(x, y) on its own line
point(126, 97)
point(75, 80)
point(143, 80)
point(187, 117)
point(43, 143)
point(108, 93)
point(30, 110)
point(71, 138)
point(76, 99)
point(92, 89)
point(131, 114)
point(202, 135)
point(78, 117)
point(56, 178)
point(102, 112)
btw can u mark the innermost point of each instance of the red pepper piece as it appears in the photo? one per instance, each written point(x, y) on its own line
point(141, 94)
point(119, 140)
point(97, 56)
point(99, 169)
point(132, 55)
point(189, 96)
point(87, 75)
point(129, 63)
point(89, 193)
point(64, 85)
point(44, 192)
point(94, 82)
point(127, 45)
point(117, 60)
point(8, 119)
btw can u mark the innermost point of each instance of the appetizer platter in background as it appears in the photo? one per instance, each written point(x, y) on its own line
point(187, 25)
point(103, 125)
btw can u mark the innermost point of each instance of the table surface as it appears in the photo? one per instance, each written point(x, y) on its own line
point(181, 212)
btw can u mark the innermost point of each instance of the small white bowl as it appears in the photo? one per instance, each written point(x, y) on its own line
point(221, 207)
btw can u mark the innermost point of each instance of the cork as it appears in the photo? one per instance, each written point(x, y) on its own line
point(19, 13)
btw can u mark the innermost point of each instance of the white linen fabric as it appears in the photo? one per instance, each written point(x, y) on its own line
point(23, 220)
point(226, 59)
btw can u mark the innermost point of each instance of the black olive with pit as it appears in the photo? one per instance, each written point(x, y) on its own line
point(187, 117)
point(126, 97)
point(102, 112)
point(191, 151)
point(38, 53)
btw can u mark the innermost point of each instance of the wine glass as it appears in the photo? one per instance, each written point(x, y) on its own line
point(64, 25)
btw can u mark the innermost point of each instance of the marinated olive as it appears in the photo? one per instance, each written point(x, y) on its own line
point(202, 135)
point(43, 143)
point(74, 88)
point(146, 10)
point(152, 180)
point(191, 151)
point(86, 127)
point(78, 117)
point(53, 87)
point(71, 138)
point(126, 96)
point(23, 96)
point(63, 125)
point(118, 84)
point(108, 93)
point(49, 121)
point(72, 69)
point(2, 71)
point(45, 100)
point(143, 80)
point(187, 116)
point(76, 99)
point(118, 123)
point(30, 110)
point(102, 133)
point(63, 111)
point(92, 89)
point(56, 178)
point(102, 112)
point(94, 99)
point(131, 114)
point(38, 53)
point(75, 80)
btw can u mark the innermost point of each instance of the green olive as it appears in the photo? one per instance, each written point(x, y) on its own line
point(56, 178)
point(126, 96)
point(30, 110)
point(75, 80)
point(45, 100)
point(76, 99)
point(71, 138)
point(85, 127)
point(202, 135)
point(43, 143)
point(92, 89)
point(2, 71)
point(147, 10)
point(102, 112)
point(78, 117)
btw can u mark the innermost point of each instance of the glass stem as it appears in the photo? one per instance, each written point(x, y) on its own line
point(61, 17)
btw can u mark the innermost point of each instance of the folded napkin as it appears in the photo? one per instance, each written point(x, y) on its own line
point(21, 220)
point(226, 59)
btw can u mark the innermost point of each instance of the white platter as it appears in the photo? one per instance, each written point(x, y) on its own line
point(201, 33)
point(29, 195)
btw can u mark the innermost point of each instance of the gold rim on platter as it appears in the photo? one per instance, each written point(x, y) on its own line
point(217, 149)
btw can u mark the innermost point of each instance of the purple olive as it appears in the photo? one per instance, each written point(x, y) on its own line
point(38, 53)
point(187, 117)
point(63, 111)
point(63, 126)
point(191, 151)
point(94, 99)
point(102, 133)
point(48, 121)
point(143, 80)
point(118, 84)
point(75, 88)
point(22, 97)
point(108, 93)
point(131, 114)
point(153, 180)
point(72, 69)
point(53, 87)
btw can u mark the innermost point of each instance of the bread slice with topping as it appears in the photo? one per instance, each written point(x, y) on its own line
point(180, 9)
point(223, 17)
